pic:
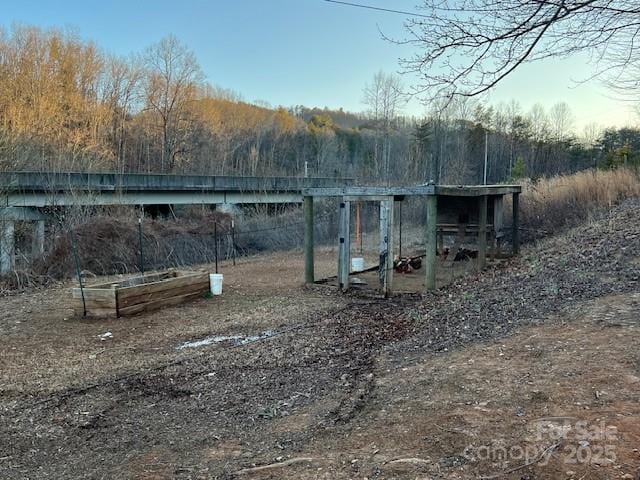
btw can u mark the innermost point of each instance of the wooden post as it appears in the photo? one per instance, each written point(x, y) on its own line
point(431, 239)
point(344, 259)
point(358, 227)
point(385, 270)
point(482, 232)
point(37, 243)
point(7, 246)
point(498, 222)
point(309, 273)
point(516, 224)
point(400, 230)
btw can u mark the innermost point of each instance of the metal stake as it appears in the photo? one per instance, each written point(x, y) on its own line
point(215, 236)
point(76, 260)
point(140, 245)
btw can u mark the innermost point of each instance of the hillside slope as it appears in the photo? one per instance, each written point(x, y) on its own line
point(526, 371)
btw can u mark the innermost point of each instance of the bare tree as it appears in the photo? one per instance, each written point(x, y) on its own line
point(385, 99)
point(121, 94)
point(469, 46)
point(561, 120)
point(539, 122)
point(591, 133)
point(171, 83)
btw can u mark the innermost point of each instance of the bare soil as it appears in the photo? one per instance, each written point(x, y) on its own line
point(529, 370)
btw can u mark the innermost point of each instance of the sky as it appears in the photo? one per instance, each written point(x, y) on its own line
point(300, 52)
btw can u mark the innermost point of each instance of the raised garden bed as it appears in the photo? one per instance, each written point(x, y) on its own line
point(140, 294)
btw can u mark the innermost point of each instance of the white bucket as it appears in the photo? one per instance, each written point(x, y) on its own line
point(357, 264)
point(215, 282)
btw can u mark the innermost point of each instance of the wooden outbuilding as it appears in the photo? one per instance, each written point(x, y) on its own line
point(462, 210)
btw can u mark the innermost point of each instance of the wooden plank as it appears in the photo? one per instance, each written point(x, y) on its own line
point(93, 303)
point(157, 304)
point(102, 294)
point(159, 286)
point(132, 281)
point(93, 311)
point(146, 279)
point(201, 287)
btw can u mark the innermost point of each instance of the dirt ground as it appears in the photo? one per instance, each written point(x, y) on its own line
point(530, 370)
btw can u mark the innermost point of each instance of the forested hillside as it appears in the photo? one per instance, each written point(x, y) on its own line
point(67, 105)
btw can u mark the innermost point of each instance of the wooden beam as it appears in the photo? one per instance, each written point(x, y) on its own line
point(368, 191)
point(431, 232)
point(366, 198)
point(475, 190)
point(482, 232)
point(516, 223)
point(498, 223)
point(344, 245)
point(309, 267)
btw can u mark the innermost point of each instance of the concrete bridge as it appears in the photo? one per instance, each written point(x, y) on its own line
point(22, 194)
point(44, 189)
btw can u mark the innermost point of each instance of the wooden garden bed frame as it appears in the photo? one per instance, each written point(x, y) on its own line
point(139, 294)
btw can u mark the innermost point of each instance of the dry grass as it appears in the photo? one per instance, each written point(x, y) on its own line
point(551, 204)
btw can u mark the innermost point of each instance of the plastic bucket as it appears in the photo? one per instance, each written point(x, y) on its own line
point(215, 282)
point(357, 264)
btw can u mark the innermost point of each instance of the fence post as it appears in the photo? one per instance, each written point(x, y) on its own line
point(431, 242)
point(309, 273)
point(344, 239)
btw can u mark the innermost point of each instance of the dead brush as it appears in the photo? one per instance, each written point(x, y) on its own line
point(551, 204)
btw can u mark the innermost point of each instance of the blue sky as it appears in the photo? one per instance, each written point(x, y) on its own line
point(289, 52)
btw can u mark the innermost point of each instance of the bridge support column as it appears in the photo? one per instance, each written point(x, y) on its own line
point(37, 243)
point(7, 246)
point(309, 268)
